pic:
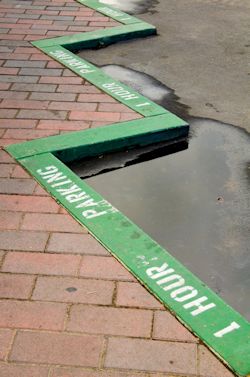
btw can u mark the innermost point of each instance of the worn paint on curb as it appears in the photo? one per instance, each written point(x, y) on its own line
point(224, 330)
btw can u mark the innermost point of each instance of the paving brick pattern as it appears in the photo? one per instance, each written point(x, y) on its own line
point(68, 309)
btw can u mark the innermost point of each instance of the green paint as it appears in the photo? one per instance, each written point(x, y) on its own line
point(114, 88)
point(60, 49)
point(92, 142)
point(224, 330)
point(99, 38)
point(139, 254)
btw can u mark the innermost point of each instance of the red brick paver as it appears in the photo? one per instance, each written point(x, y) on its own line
point(79, 372)
point(74, 290)
point(22, 370)
point(68, 308)
point(57, 348)
point(16, 286)
point(104, 268)
point(6, 336)
point(41, 263)
point(75, 243)
point(23, 240)
point(151, 355)
point(210, 366)
point(97, 320)
point(166, 327)
point(51, 223)
point(32, 315)
point(134, 295)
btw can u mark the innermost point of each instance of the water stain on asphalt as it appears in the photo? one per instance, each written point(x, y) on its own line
point(132, 6)
point(149, 87)
point(195, 201)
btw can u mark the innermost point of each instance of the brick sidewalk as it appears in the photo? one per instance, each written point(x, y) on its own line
point(68, 308)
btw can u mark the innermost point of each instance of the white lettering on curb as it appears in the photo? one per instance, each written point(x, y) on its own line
point(74, 194)
point(233, 326)
point(112, 12)
point(159, 273)
point(120, 91)
point(79, 65)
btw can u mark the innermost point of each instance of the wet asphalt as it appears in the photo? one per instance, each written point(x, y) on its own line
point(194, 202)
point(202, 51)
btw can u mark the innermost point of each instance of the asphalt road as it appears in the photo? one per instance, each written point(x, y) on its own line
point(201, 51)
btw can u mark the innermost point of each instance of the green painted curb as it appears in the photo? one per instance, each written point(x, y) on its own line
point(221, 328)
point(201, 310)
point(96, 76)
point(93, 142)
point(99, 38)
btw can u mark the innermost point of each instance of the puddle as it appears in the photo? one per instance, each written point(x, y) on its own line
point(111, 161)
point(193, 202)
point(132, 6)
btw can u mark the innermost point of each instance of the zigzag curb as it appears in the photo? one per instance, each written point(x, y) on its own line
point(219, 326)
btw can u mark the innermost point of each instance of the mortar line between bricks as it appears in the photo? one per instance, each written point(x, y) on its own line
point(114, 296)
point(152, 324)
point(36, 196)
point(33, 288)
point(50, 252)
point(11, 345)
point(197, 350)
point(85, 333)
point(103, 352)
point(79, 266)
point(77, 303)
point(43, 275)
point(52, 365)
point(56, 252)
point(51, 370)
point(2, 259)
point(34, 189)
point(47, 242)
point(4, 131)
point(198, 359)
point(138, 372)
point(109, 335)
point(67, 316)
